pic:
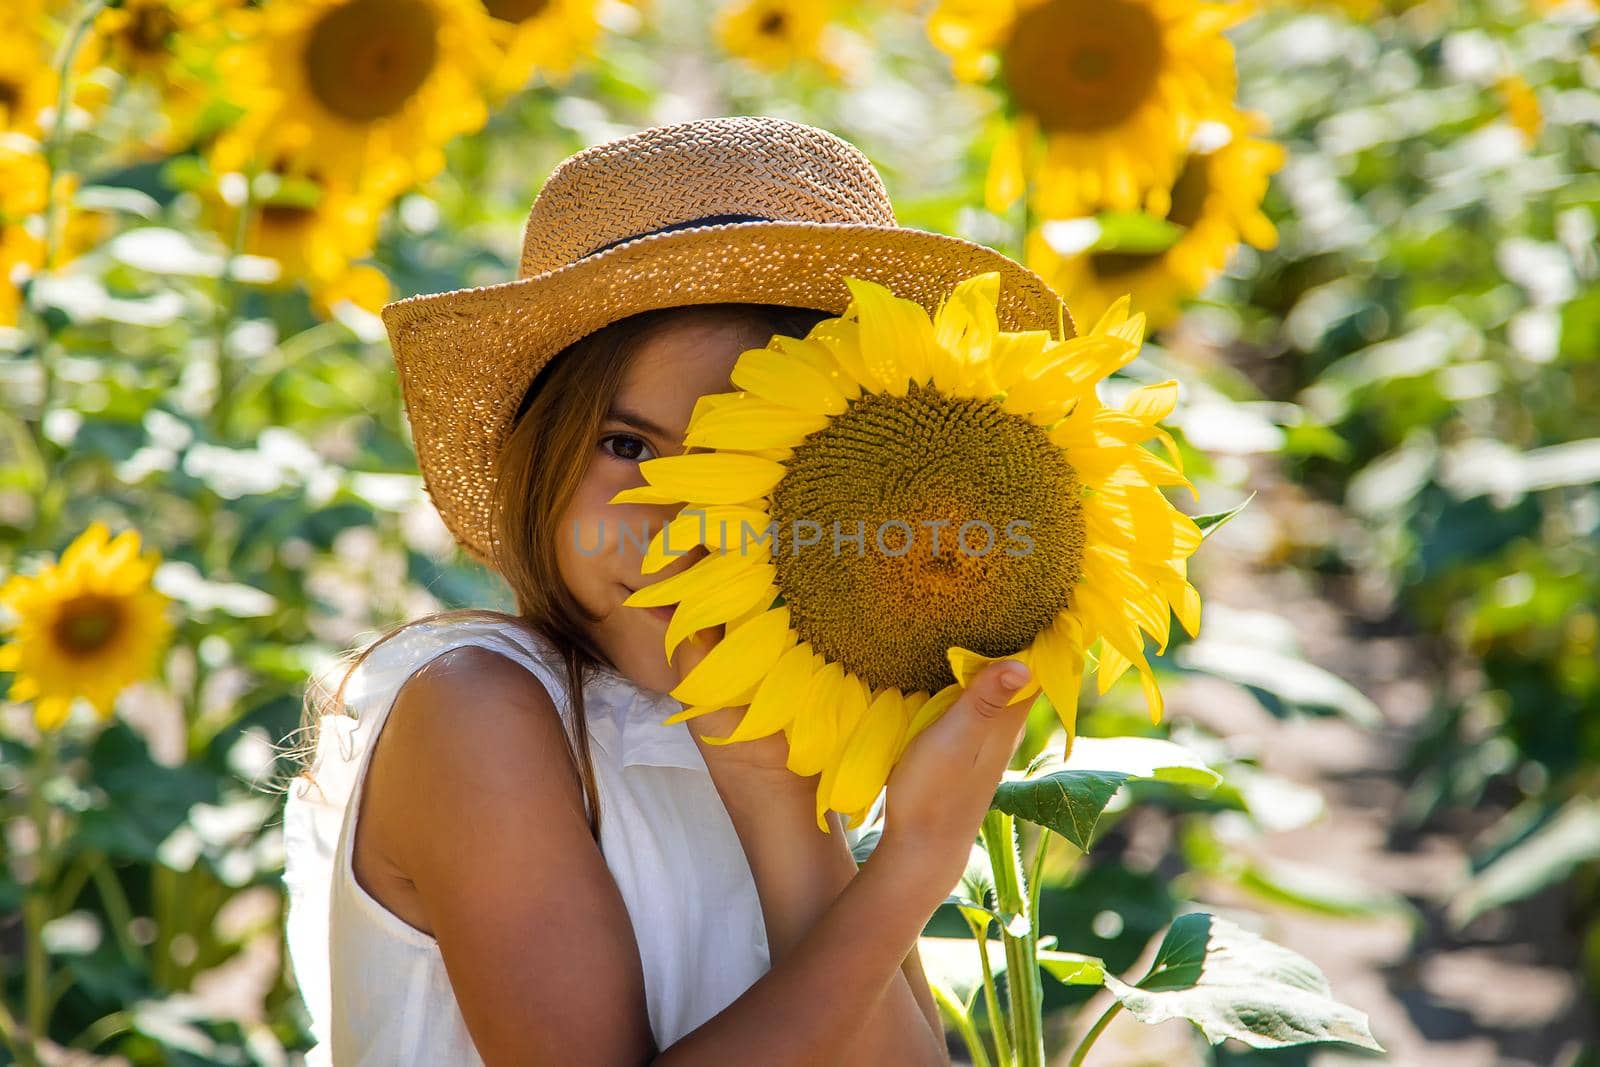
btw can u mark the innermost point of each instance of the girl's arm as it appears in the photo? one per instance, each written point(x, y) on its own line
point(799, 873)
point(536, 940)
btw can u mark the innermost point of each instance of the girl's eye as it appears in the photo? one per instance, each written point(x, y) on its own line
point(626, 446)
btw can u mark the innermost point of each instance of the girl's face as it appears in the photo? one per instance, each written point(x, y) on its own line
point(601, 544)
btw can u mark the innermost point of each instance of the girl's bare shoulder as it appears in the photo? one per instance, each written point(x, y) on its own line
point(473, 711)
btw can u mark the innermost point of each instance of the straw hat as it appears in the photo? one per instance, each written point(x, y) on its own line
point(747, 210)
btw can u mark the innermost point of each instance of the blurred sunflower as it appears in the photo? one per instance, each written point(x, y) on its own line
point(1104, 94)
point(24, 178)
point(314, 224)
point(27, 75)
point(371, 88)
point(87, 626)
point(880, 430)
point(1215, 203)
point(776, 34)
point(167, 46)
point(543, 36)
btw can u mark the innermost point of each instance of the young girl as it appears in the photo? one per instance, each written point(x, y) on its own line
point(498, 854)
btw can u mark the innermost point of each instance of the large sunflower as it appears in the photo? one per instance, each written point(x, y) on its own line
point(370, 88)
point(87, 626)
point(1216, 202)
point(1105, 93)
point(830, 481)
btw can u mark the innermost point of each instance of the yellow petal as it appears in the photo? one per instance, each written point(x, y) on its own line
point(778, 696)
point(929, 713)
point(706, 478)
point(703, 576)
point(966, 664)
point(1058, 659)
point(737, 662)
point(1113, 316)
point(1152, 403)
point(965, 329)
point(783, 376)
point(742, 591)
point(869, 752)
point(1064, 371)
point(732, 528)
point(1005, 181)
point(752, 424)
point(841, 339)
point(52, 713)
point(896, 337)
point(1012, 353)
point(814, 731)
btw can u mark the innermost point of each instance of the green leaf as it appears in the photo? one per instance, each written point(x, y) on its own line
point(976, 888)
point(1135, 233)
point(952, 964)
point(1070, 796)
point(1232, 983)
point(1542, 858)
point(1072, 968)
point(1210, 524)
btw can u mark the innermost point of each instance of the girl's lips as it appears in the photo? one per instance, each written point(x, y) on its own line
point(664, 614)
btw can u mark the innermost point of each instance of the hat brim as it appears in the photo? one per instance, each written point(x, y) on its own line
point(466, 357)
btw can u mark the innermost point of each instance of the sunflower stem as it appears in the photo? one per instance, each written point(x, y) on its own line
point(114, 899)
point(36, 905)
point(20, 1044)
point(58, 128)
point(51, 498)
point(227, 304)
point(998, 1026)
point(962, 1022)
point(1094, 1034)
point(1022, 968)
point(1036, 877)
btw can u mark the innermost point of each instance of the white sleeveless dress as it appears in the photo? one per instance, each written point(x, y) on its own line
point(376, 987)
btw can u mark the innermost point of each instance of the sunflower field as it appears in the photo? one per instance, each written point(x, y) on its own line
point(1334, 267)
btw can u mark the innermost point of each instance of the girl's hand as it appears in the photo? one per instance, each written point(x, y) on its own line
point(940, 790)
point(767, 757)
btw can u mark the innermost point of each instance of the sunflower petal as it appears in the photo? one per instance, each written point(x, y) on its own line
point(706, 478)
point(703, 576)
point(928, 713)
point(1058, 658)
point(867, 756)
point(737, 662)
point(814, 731)
point(964, 330)
point(896, 337)
point(732, 528)
point(741, 593)
point(751, 425)
point(782, 375)
point(841, 339)
point(1005, 182)
point(778, 696)
point(966, 664)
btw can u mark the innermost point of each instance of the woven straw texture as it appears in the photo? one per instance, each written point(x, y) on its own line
point(466, 357)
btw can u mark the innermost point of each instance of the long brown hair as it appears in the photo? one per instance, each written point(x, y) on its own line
point(538, 471)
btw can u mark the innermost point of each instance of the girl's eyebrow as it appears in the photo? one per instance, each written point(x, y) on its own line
point(641, 422)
